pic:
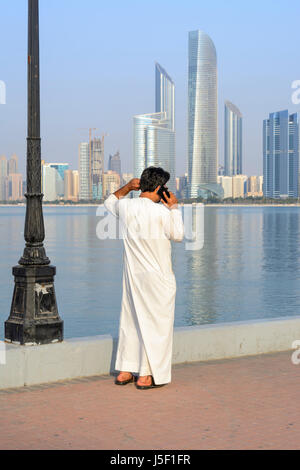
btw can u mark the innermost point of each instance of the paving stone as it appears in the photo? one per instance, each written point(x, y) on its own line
point(245, 403)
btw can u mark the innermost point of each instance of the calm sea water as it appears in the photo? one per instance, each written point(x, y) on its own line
point(249, 267)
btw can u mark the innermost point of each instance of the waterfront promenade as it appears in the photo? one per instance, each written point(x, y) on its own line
point(243, 403)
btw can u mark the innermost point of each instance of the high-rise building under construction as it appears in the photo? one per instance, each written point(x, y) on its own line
point(91, 168)
point(97, 163)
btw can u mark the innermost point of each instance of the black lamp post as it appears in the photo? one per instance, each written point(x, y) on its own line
point(34, 318)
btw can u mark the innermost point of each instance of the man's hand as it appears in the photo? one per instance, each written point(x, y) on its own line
point(172, 202)
point(134, 184)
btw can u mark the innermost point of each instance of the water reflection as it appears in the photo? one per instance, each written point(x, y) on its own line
point(88, 273)
point(221, 282)
point(281, 241)
point(249, 267)
point(201, 267)
point(280, 262)
point(11, 249)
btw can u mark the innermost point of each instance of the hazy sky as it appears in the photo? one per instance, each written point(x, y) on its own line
point(97, 69)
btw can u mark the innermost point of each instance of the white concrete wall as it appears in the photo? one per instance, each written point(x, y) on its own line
point(85, 357)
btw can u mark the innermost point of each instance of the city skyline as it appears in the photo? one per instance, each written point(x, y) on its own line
point(247, 66)
point(11, 180)
point(59, 183)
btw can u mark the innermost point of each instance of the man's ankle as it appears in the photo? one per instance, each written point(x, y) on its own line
point(145, 378)
point(125, 373)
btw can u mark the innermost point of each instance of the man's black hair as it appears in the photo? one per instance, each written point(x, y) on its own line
point(153, 177)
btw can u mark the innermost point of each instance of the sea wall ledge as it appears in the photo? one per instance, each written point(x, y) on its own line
point(86, 357)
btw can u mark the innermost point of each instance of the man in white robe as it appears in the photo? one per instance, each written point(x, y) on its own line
point(149, 285)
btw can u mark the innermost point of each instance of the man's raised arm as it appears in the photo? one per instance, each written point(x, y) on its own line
point(133, 185)
point(112, 202)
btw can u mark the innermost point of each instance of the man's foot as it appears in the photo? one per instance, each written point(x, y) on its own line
point(124, 378)
point(146, 382)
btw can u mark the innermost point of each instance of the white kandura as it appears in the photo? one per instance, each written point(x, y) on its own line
point(149, 286)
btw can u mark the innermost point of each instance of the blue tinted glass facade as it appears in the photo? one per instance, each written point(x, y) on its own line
point(60, 168)
point(154, 134)
point(281, 155)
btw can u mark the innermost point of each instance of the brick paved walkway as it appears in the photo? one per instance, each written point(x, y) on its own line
point(247, 403)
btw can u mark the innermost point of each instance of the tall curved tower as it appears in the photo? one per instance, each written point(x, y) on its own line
point(233, 140)
point(202, 116)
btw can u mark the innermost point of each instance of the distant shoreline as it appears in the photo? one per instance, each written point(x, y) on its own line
point(252, 205)
point(206, 205)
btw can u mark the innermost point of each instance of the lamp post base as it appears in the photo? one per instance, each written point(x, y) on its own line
point(33, 334)
point(34, 317)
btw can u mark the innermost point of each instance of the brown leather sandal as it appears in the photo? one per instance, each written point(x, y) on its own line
point(147, 387)
point(125, 382)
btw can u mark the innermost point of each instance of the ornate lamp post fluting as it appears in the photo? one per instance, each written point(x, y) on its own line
point(34, 318)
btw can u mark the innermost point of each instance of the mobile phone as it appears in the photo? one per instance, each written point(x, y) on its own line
point(162, 191)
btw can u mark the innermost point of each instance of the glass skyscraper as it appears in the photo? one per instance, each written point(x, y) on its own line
point(60, 168)
point(97, 165)
point(154, 134)
point(165, 95)
point(84, 171)
point(233, 140)
point(202, 117)
point(3, 175)
point(281, 155)
point(91, 169)
point(114, 163)
point(60, 177)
